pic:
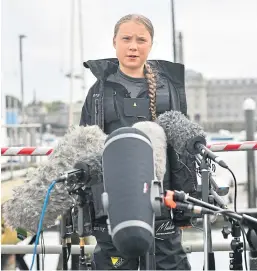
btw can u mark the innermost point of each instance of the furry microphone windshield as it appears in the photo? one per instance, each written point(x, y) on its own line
point(182, 134)
point(80, 144)
point(158, 139)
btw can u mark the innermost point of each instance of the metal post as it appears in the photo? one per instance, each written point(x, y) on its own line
point(173, 31)
point(25, 143)
point(181, 53)
point(21, 71)
point(249, 107)
point(33, 140)
point(12, 159)
point(71, 61)
point(41, 138)
point(81, 47)
point(209, 260)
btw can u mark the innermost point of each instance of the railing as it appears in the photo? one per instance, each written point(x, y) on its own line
point(189, 247)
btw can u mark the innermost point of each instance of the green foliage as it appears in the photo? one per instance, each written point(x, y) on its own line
point(53, 106)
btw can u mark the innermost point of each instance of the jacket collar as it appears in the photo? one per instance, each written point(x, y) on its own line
point(103, 68)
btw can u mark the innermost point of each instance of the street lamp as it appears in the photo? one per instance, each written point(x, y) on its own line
point(21, 37)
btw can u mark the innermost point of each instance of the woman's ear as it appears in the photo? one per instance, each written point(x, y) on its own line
point(114, 42)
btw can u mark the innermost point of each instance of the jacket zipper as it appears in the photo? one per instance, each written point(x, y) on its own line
point(115, 103)
point(97, 110)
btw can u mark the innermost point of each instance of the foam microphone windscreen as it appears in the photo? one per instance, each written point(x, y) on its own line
point(182, 134)
point(79, 144)
point(158, 139)
point(128, 171)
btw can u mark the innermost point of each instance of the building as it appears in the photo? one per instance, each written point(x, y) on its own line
point(218, 103)
point(196, 96)
point(225, 101)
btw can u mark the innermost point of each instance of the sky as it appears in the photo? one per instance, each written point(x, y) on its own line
point(220, 40)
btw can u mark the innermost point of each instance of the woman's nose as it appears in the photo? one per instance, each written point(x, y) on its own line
point(133, 46)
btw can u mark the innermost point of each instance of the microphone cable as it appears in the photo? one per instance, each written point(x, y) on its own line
point(240, 225)
point(235, 191)
point(41, 222)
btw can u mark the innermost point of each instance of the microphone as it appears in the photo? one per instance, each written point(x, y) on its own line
point(184, 134)
point(81, 148)
point(203, 150)
point(185, 206)
point(198, 210)
point(217, 190)
point(129, 177)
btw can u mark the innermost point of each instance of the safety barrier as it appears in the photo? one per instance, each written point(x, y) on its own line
point(42, 151)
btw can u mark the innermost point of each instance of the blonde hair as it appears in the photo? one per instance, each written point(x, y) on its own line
point(150, 75)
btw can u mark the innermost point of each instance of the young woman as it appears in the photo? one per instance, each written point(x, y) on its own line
point(129, 89)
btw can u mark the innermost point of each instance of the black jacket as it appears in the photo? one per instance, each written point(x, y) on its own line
point(104, 106)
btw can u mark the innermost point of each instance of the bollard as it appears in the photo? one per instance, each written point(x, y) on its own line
point(249, 107)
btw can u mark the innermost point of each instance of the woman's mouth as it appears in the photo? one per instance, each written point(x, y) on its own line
point(132, 56)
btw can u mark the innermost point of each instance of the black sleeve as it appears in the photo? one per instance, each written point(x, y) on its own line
point(86, 118)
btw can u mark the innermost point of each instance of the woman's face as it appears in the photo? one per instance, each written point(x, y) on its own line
point(133, 43)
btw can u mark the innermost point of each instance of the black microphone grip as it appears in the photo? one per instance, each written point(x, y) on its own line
point(192, 208)
point(205, 151)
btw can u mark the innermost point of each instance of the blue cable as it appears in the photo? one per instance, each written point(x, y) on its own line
point(41, 222)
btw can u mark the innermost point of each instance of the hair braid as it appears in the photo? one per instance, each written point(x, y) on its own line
point(151, 80)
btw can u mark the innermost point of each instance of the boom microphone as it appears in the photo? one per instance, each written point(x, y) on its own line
point(80, 145)
point(128, 175)
point(184, 134)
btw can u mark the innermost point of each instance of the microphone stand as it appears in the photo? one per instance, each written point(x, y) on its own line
point(82, 214)
point(156, 200)
point(64, 243)
point(84, 226)
point(209, 259)
point(236, 262)
point(150, 263)
point(236, 219)
point(66, 231)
